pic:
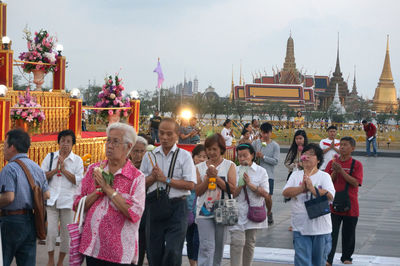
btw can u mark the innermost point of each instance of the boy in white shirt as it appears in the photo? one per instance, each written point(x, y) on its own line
point(330, 146)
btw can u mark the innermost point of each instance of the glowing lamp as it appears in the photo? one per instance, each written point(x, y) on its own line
point(186, 114)
point(134, 95)
point(6, 41)
point(59, 48)
point(75, 93)
point(3, 90)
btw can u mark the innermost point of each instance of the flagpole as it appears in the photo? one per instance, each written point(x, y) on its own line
point(159, 94)
point(159, 102)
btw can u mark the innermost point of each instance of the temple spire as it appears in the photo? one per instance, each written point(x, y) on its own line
point(354, 90)
point(385, 98)
point(240, 78)
point(290, 63)
point(337, 68)
point(387, 70)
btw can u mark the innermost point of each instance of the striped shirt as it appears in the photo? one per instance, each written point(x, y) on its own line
point(13, 179)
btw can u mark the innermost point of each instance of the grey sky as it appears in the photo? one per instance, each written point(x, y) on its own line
point(205, 38)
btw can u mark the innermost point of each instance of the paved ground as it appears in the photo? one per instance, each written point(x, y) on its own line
point(378, 230)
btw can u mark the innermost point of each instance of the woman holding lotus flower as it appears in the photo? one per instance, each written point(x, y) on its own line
point(253, 185)
point(115, 192)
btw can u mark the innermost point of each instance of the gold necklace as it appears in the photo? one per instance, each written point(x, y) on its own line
point(312, 172)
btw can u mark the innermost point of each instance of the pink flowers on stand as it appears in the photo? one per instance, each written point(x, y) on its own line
point(111, 97)
point(33, 116)
point(41, 49)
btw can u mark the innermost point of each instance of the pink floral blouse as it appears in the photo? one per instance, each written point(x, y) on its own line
point(107, 233)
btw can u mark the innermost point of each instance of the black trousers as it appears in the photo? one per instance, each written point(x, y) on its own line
point(142, 238)
point(348, 236)
point(90, 261)
point(164, 239)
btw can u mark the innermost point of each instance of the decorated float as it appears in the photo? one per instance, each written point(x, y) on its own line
point(45, 113)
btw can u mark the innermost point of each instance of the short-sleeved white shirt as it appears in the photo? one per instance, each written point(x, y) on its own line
point(324, 144)
point(258, 177)
point(226, 133)
point(184, 169)
point(300, 220)
point(61, 189)
point(210, 196)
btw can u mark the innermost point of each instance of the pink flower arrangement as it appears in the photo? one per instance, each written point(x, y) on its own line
point(33, 116)
point(111, 96)
point(41, 49)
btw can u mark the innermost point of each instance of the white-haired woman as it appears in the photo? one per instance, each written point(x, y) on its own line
point(138, 151)
point(110, 231)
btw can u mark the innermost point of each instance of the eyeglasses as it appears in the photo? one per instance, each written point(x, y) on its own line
point(114, 142)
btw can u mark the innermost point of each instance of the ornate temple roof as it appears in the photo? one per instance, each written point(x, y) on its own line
point(289, 73)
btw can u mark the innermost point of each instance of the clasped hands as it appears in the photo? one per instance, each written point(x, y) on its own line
point(337, 167)
point(307, 184)
point(158, 175)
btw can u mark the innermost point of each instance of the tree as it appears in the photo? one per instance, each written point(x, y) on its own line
point(227, 107)
point(17, 86)
point(147, 103)
point(382, 118)
point(263, 109)
point(90, 94)
point(240, 108)
point(214, 107)
point(199, 104)
point(358, 110)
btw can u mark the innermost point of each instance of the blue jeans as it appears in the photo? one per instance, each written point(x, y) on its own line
point(311, 250)
point(154, 135)
point(18, 237)
point(368, 144)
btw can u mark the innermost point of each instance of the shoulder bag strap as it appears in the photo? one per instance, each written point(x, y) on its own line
point(246, 195)
point(51, 160)
point(171, 168)
point(351, 171)
point(27, 173)
point(228, 190)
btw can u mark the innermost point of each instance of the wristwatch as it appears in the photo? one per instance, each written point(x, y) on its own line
point(168, 180)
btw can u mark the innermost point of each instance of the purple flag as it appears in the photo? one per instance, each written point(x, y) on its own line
point(158, 70)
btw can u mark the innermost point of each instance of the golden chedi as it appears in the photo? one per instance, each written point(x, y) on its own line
point(385, 98)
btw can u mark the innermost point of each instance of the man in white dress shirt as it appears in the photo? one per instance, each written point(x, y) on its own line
point(330, 146)
point(64, 172)
point(165, 238)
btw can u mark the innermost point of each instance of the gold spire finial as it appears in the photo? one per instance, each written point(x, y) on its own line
point(387, 44)
point(232, 76)
point(240, 81)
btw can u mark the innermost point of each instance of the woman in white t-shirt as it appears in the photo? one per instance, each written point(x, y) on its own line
point(227, 132)
point(217, 169)
point(253, 180)
point(311, 237)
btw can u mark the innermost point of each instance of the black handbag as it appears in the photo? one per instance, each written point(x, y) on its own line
point(158, 201)
point(341, 202)
point(317, 206)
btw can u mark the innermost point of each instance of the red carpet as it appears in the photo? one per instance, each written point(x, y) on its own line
point(53, 137)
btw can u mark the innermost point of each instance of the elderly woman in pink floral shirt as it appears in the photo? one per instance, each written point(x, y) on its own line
point(110, 231)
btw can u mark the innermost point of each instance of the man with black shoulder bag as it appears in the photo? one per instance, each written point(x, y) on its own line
point(347, 176)
point(170, 176)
